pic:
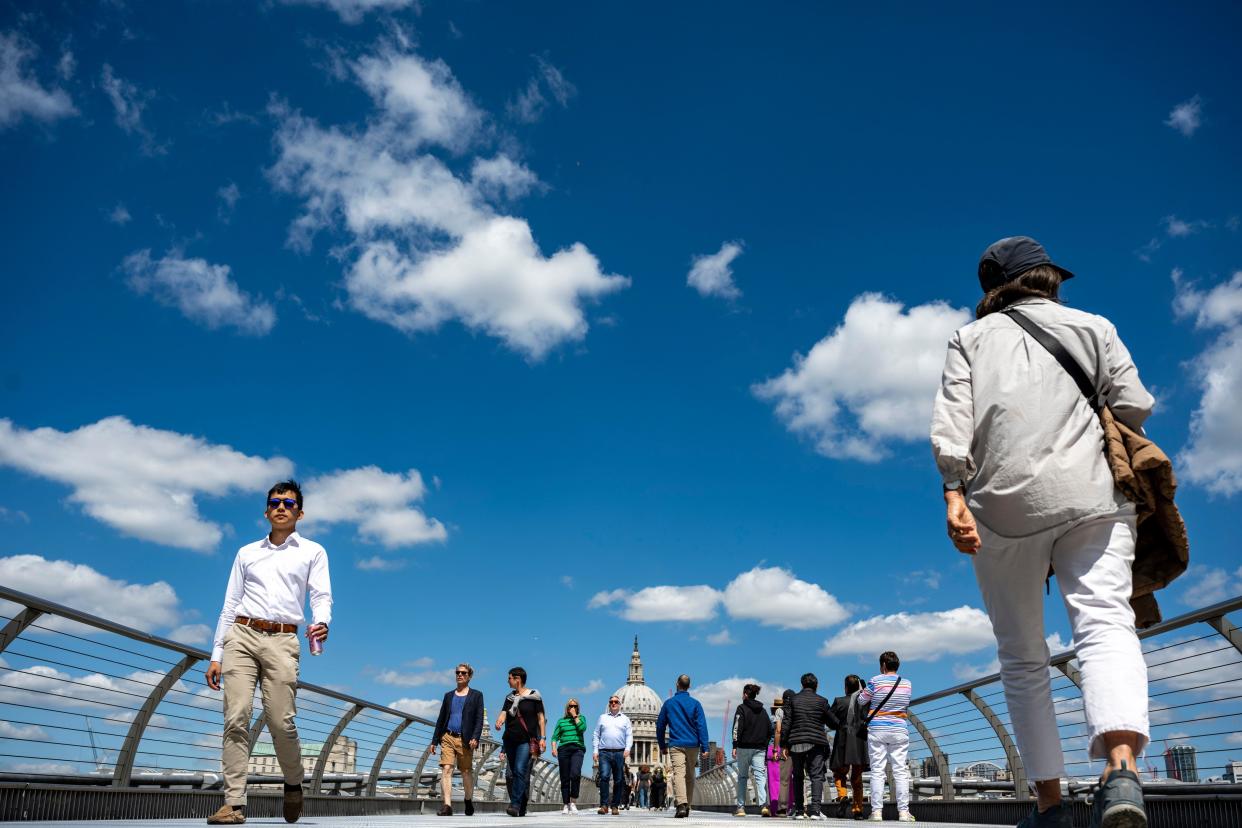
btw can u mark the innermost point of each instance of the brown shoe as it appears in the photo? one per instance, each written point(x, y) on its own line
point(227, 815)
point(293, 803)
point(615, 812)
point(603, 809)
point(445, 810)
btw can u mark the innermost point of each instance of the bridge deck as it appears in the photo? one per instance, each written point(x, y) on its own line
point(547, 819)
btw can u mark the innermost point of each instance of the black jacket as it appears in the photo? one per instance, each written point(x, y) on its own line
point(807, 713)
point(751, 726)
point(471, 717)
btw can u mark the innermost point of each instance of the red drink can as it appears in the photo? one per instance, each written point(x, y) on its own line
point(316, 646)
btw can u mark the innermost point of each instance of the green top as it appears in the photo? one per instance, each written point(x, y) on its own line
point(569, 732)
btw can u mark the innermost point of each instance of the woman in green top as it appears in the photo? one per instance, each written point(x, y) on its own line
point(568, 748)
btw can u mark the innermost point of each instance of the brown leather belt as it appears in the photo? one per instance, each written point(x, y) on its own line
point(265, 626)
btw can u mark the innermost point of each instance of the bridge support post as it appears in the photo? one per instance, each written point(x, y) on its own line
point(942, 761)
point(492, 747)
point(1070, 670)
point(1020, 790)
point(1226, 628)
point(417, 781)
point(129, 748)
point(322, 761)
point(373, 779)
point(17, 626)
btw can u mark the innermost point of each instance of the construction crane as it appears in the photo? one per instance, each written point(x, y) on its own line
point(99, 761)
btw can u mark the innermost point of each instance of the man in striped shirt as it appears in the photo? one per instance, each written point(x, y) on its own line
point(888, 696)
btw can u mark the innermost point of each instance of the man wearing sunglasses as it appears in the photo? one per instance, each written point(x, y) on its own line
point(614, 737)
point(458, 730)
point(256, 642)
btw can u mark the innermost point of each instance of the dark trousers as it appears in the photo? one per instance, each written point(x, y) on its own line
point(611, 768)
point(815, 763)
point(518, 758)
point(570, 759)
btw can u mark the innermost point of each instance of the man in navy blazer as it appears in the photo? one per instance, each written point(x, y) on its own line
point(458, 730)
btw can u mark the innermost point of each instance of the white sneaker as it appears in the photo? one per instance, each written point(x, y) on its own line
point(876, 816)
point(573, 807)
point(740, 812)
point(818, 815)
point(565, 810)
point(906, 816)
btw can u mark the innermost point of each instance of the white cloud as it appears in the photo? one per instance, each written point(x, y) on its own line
point(375, 563)
point(142, 606)
point(774, 597)
point(721, 638)
point(712, 274)
point(431, 247)
point(12, 731)
point(1212, 457)
point(1187, 116)
point(1205, 585)
point(871, 381)
point(196, 635)
point(726, 694)
point(128, 105)
point(229, 195)
point(13, 515)
point(203, 292)
point(661, 603)
point(119, 215)
point(418, 679)
point(353, 11)
point(529, 104)
point(1180, 228)
point(970, 672)
point(423, 708)
point(592, 686)
point(924, 636)
point(67, 65)
point(21, 94)
point(141, 481)
point(379, 503)
point(1190, 665)
point(567, 581)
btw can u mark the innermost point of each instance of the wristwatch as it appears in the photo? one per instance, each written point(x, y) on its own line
point(955, 486)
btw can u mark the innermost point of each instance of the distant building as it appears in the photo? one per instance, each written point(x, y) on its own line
point(707, 759)
point(1180, 763)
point(987, 771)
point(642, 705)
point(1233, 772)
point(343, 758)
point(930, 768)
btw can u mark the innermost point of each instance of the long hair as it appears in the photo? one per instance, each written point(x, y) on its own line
point(574, 702)
point(1040, 281)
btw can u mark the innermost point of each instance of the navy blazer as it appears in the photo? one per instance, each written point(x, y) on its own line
point(471, 717)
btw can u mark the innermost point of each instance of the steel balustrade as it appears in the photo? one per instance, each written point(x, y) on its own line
point(175, 729)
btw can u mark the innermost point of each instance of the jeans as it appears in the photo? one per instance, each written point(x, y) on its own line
point(517, 757)
point(814, 762)
point(611, 768)
point(883, 745)
point(642, 797)
point(1093, 560)
point(752, 759)
point(569, 757)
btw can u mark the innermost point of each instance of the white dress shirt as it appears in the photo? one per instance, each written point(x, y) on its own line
point(270, 582)
point(614, 732)
point(1011, 423)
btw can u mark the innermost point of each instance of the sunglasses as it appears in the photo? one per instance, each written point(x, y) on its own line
point(462, 672)
point(573, 707)
point(288, 502)
point(613, 701)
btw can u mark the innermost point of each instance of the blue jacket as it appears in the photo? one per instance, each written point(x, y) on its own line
point(683, 717)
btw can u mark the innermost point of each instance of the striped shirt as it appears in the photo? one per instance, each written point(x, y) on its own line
point(569, 731)
point(892, 716)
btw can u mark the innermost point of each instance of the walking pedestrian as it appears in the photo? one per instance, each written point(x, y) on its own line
point(459, 727)
point(887, 697)
point(681, 732)
point(659, 789)
point(644, 786)
point(849, 757)
point(782, 790)
point(808, 719)
point(613, 740)
point(256, 642)
point(1027, 487)
point(752, 731)
point(568, 748)
point(525, 726)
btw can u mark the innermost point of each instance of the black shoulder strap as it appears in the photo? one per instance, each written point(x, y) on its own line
point(1071, 366)
point(880, 707)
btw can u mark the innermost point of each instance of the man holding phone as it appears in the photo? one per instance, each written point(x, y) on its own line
point(256, 642)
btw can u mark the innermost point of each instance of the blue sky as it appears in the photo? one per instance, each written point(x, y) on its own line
point(555, 305)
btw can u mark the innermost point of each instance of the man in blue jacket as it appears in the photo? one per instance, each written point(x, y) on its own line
point(682, 731)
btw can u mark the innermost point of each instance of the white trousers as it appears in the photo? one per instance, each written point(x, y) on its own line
point(1093, 561)
point(882, 747)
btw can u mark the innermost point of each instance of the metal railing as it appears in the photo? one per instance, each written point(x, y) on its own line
point(89, 703)
point(962, 748)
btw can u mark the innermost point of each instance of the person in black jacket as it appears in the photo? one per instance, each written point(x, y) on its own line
point(805, 739)
point(458, 730)
point(752, 730)
point(849, 748)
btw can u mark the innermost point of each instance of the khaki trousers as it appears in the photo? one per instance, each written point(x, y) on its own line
point(685, 762)
point(271, 661)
